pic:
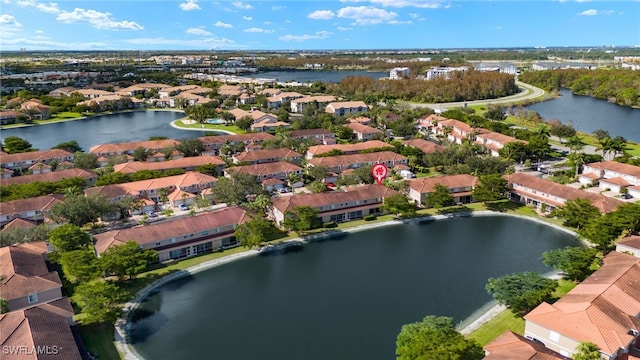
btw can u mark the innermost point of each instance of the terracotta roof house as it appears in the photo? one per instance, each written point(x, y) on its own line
point(347, 149)
point(460, 186)
point(40, 111)
point(341, 163)
point(40, 168)
point(542, 193)
point(245, 99)
point(115, 149)
point(212, 144)
point(141, 88)
point(510, 346)
point(6, 173)
point(629, 244)
point(40, 332)
point(231, 90)
point(364, 132)
point(182, 237)
point(185, 163)
point(298, 105)
point(9, 117)
point(425, 146)
point(89, 176)
point(339, 206)
point(280, 98)
point(277, 170)
point(26, 279)
point(268, 124)
point(267, 156)
point(262, 122)
point(175, 90)
point(63, 91)
point(342, 108)
point(360, 120)
point(603, 309)
point(92, 94)
point(610, 174)
point(494, 141)
point(26, 159)
point(18, 223)
point(34, 209)
point(319, 136)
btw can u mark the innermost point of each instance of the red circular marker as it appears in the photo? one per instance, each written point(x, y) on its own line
point(379, 172)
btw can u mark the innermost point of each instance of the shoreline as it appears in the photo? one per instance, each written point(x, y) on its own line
point(470, 324)
point(176, 126)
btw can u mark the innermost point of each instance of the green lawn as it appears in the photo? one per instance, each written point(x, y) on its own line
point(99, 340)
point(506, 320)
point(231, 128)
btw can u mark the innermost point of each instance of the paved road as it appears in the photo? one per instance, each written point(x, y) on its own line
point(527, 92)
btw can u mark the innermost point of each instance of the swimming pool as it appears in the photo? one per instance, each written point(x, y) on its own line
point(216, 121)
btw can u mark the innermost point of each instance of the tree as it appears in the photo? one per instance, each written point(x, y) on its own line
point(318, 172)
point(190, 147)
point(87, 161)
point(244, 123)
point(439, 197)
point(316, 186)
point(234, 189)
point(514, 150)
point(141, 154)
point(577, 213)
point(70, 146)
point(79, 266)
point(80, 210)
point(587, 351)
point(490, 188)
point(398, 204)
point(435, 337)
point(17, 235)
point(128, 259)
point(301, 219)
point(260, 203)
point(344, 133)
point(14, 145)
point(600, 134)
point(521, 292)
point(562, 131)
point(100, 301)
point(363, 174)
point(253, 232)
point(576, 262)
point(4, 306)
point(69, 237)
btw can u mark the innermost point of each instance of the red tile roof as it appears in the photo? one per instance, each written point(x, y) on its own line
point(35, 203)
point(423, 145)
point(265, 169)
point(427, 185)
point(39, 156)
point(362, 129)
point(630, 241)
point(128, 147)
point(617, 167)
point(50, 177)
point(346, 161)
point(348, 148)
point(23, 271)
point(245, 138)
point(182, 163)
point(257, 155)
point(510, 346)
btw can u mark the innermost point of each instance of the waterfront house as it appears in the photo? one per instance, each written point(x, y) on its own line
point(9, 117)
point(52, 176)
point(36, 109)
point(460, 187)
point(212, 144)
point(603, 309)
point(278, 99)
point(181, 237)
point(364, 132)
point(347, 149)
point(494, 141)
point(340, 163)
point(342, 108)
point(127, 148)
point(509, 346)
point(25, 160)
point(339, 206)
point(34, 209)
point(611, 175)
point(630, 245)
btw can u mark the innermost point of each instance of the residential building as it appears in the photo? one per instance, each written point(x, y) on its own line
point(347, 149)
point(281, 170)
point(341, 163)
point(9, 117)
point(140, 89)
point(510, 345)
point(175, 90)
point(127, 148)
point(26, 159)
point(630, 245)
point(92, 94)
point(212, 144)
point(360, 120)
point(547, 195)
point(182, 237)
point(281, 97)
point(34, 209)
point(603, 309)
point(262, 122)
point(460, 187)
point(364, 132)
point(425, 146)
point(318, 136)
point(399, 73)
point(339, 206)
point(25, 278)
point(611, 175)
point(186, 163)
point(267, 156)
point(231, 90)
point(36, 109)
point(443, 72)
point(494, 141)
point(300, 104)
point(342, 108)
point(63, 91)
point(89, 177)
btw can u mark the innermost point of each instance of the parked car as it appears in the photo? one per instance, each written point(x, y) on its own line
point(183, 207)
point(151, 214)
point(626, 196)
point(283, 190)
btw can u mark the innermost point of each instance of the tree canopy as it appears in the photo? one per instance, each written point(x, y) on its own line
point(13, 145)
point(80, 210)
point(254, 232)
point(435, 337)
point(100, 301)
point(490, 188)
point(576, 262)
point(577, 213)
point(301, 219)
point(127, 259)
point(399, 204)
point(69, 237)
point(439, 197)
point(521, 292)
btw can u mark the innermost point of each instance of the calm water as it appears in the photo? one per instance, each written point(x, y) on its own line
point(339, 299)
point(588, 114)
point(311, 76)
point(122, 127)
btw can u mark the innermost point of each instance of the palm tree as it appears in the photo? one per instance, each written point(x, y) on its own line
point(606, 144)
point(542, 131)
point(618, 145)
point(292, 178)
point(260, 203)
point(575, 144)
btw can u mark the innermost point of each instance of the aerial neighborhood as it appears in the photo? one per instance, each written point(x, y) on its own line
point(269, 162)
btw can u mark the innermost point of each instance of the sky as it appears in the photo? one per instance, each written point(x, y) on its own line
point(315, 25)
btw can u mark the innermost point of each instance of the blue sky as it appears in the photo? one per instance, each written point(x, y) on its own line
point(302, 24)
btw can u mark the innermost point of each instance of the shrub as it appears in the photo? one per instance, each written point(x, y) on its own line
point(330, 224)
point(369, 218)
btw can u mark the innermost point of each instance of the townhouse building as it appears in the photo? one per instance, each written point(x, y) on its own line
point(182, 237)
point(494, 141)
point(321, 101)
point(25, 160)
point(127, 148)
point(280, 170)
point(460, 187)
point(212, 144)
point(52, 176)
point(9, 117)
point(185, 163)
point(347, 149)
point(350, 204)
point(629, 245)
point(267, 156)
point(342, 108)
point(611, 175)
point(425, 146)
point(318, 136)
point(364, 132)
point(341, 163)
point(34, 209)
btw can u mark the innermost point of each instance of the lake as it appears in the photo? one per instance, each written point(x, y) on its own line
point(587, 114)
point(339, 299)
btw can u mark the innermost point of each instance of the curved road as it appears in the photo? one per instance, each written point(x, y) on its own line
point(527, 92)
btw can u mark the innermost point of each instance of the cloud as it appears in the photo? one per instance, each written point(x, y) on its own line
point(398, 22)
point(190, 5)
point(590, 12)
point(316, 36)
point(51, 8)
point(258, 30)
point(97, 19)
point(366, 15)
point(424, 4)
point(344, 28)
point(223, 25)
point(241, 5)
point(9, 20)
point(198, 32)
point(206, 43)
point(322, 15)
point(248, 18)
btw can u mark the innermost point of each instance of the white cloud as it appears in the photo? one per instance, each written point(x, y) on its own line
point(258, 30)
point(206, 43)
point(51, 8)
point(241, 5)
point(344, 28)
point(398, 22)
point(316, 36)
point(590, 12)
point(424, 4)
point(277, 7)
point(198, 32)
point(97, 19)
point(322, 15)
point(223, 25)
point(248, 18)
point(9, 20)
point(190, 5)
point(366, 15)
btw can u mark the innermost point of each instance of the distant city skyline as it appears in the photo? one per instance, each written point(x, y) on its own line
point(314, 25)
